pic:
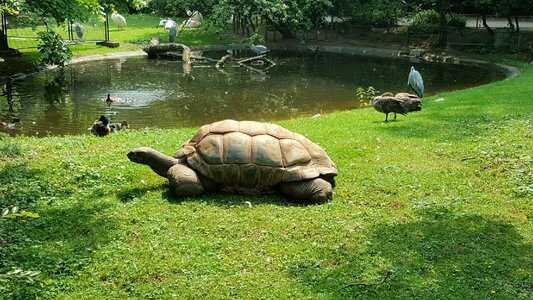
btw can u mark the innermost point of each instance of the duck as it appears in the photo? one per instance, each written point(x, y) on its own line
point(119, 126)
point(101, 126)
point(109, 100)
point(9, 125)
point(116, 100)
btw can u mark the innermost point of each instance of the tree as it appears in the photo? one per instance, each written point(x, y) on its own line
point(6, 7)
point(287, 17)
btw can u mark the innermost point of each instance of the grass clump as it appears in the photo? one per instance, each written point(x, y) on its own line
point(434, 205)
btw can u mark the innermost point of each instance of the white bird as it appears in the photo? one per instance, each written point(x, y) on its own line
point(258, 49)
point(169, 24)
point(416, 82)
point(119, 20)
point(163, 22)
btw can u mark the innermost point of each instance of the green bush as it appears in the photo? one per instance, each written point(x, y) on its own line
point(456, 21)
point(52, 48)
point(426, 21)
point(178, 8)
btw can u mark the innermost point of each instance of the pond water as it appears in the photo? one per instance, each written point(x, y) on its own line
point(161, 93)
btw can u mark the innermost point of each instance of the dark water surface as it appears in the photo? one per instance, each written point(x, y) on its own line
point(160, 93)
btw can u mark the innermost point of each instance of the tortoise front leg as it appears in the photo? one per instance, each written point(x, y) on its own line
point(184, 181)
point(311, 191)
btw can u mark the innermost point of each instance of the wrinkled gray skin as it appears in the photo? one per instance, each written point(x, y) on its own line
point(185, 181)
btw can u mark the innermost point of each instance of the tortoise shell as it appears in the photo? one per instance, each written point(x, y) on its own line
point(254, 156)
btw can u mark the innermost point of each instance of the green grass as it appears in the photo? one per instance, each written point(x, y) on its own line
point(439, 200)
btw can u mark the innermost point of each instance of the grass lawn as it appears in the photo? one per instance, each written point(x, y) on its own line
point(435, 205)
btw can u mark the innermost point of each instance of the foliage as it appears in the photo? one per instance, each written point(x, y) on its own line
point(384, 13)
point(20, 274)
point(178, 8)
point(254, 39)
point(365, 95)
point(13, 213)
point(426, 21)
point(456, 21)
point(60, 10)
point(287, 17)
point(9, 7)
point(52, 49)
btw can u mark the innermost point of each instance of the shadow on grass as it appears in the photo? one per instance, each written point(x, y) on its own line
point(442, 256)
point(58, 244)
point(22, 186)
point(229, 200)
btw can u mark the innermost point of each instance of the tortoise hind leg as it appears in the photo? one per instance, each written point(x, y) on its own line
point(184, 181)
point(311, 191)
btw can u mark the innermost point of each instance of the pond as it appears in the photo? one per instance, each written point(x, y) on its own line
point(162, 94)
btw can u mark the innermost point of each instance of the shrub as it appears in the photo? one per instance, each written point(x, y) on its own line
point(175, 8)
point(52, 49)
point(456, 21)
point(426, 21)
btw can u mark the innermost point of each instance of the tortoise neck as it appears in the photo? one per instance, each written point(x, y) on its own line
point(161, 163)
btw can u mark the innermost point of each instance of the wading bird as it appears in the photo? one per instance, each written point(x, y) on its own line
point(258, 49)
point(416, 82)
point(119, 20)
point(172, 34)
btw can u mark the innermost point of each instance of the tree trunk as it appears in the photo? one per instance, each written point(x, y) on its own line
point(516, 21)
point(3, 34)
point(487, 27)
point(511, 24)
point(285, 31)
point(251, 24)
point(443, 29)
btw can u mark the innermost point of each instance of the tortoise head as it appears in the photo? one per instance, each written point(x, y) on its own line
point(159, 162)
point(141, 155)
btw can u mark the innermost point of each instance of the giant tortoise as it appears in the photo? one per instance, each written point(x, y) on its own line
point(245, 157)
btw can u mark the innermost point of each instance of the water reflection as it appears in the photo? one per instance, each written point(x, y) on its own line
point(165, 94)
